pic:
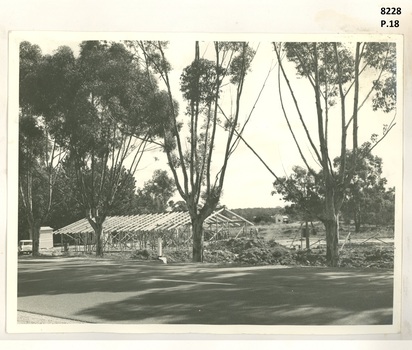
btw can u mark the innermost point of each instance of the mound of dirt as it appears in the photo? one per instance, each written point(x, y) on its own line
point(257, 251)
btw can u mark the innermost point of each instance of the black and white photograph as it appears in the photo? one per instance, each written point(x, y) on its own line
point(208, 181)
point(191, 173)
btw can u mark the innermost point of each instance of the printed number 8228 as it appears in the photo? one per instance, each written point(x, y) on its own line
point(391, 10)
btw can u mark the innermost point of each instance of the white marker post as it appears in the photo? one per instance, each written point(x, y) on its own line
point(160, 252)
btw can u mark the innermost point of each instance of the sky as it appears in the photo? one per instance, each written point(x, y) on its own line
point(248, 183)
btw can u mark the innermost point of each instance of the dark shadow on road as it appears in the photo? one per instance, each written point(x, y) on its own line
point(202, 294)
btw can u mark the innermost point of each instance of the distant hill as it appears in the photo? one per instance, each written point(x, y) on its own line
point(257, 215)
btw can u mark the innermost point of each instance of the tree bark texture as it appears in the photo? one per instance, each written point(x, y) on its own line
point(332, 251)
point(35, 237)
point(197, 227)
point(97, 225)
point(331, 222)
point(99, 240)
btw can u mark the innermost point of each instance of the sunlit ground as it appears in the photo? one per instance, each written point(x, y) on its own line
point(103, 291)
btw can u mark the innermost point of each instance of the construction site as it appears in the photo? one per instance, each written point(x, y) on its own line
point(145, 231)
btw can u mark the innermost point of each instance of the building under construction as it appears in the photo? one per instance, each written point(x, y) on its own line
point(121, 233)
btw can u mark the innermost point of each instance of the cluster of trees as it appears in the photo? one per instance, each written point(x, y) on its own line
point(260, 215)
point(367, 199)
point(343, 78)
point(154, 197)
point(156, 194)
point(86, 122)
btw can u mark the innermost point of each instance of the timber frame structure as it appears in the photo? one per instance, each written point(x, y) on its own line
point(121, 233)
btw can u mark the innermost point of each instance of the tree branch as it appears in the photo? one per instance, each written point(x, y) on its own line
point(290, 127)
point(297, 105)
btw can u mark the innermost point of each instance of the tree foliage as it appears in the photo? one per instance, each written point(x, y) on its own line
point(98, 107)
point(40, 156)
point(340, 76)
point(202, 84)
point(367, 201)
point(304, 191)
point(155, 195)
point(260, 215)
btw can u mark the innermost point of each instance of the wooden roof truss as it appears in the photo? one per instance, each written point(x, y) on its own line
point(135, 231)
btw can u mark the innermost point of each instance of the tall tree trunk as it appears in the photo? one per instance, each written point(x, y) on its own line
point(34, 233)
point(35, 237)
point(97, 225)
point(331, 223)
point(36, 242)
point(197, 227)
point(99, 240)
point(332, 251)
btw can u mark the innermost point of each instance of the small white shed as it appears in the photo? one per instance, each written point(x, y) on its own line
point(46, 238)
point(281, 219)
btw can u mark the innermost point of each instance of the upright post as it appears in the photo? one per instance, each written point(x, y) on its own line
point(159, 247)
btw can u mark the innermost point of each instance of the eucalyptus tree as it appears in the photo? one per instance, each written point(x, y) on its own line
point(344, 78)
point(155, 195)
point(366, 192)
point(366, 199)
point(199, 143)
point(96, 105)
point(40, 156)
point(304, 190)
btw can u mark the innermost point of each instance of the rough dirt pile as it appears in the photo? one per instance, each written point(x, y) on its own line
point(257, 251)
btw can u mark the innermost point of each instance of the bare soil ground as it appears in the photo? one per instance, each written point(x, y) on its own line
point(292, 231)
point(276, 244)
